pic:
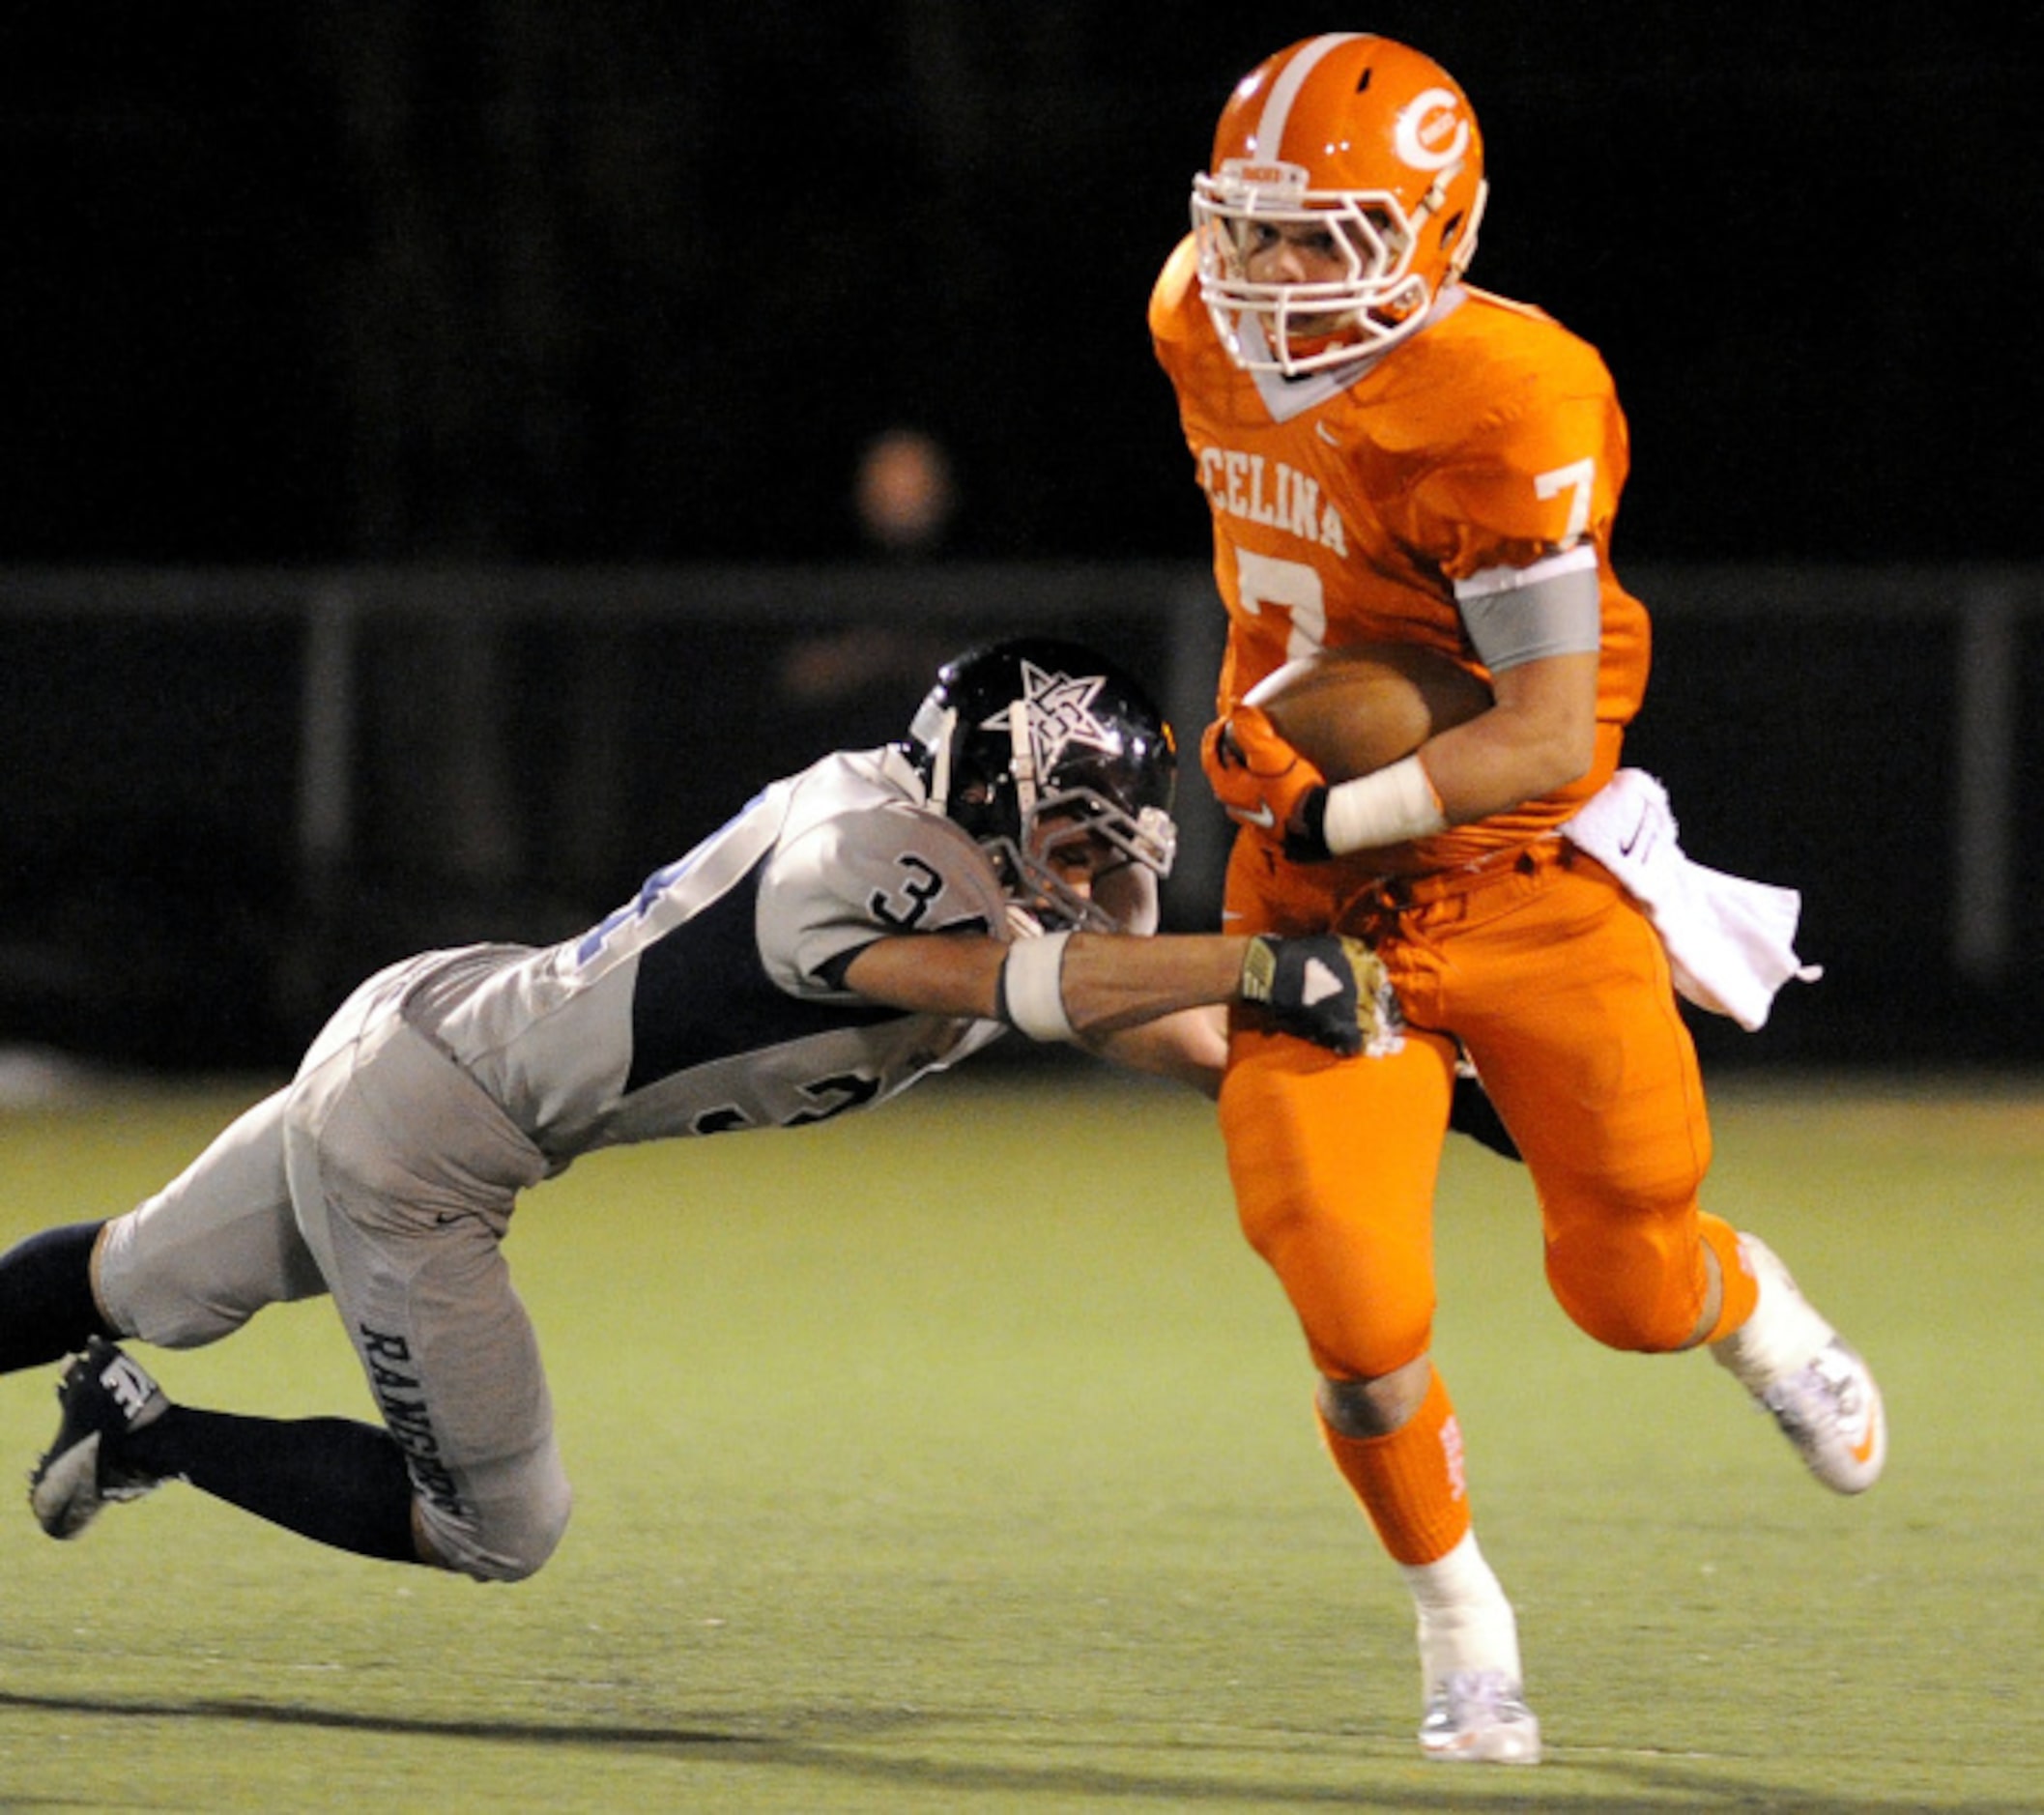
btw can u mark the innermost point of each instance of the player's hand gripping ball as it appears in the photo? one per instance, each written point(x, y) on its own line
point(1327, 718)
point(1258, 777)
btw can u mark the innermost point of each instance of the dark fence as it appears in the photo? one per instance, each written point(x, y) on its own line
point(229, 794)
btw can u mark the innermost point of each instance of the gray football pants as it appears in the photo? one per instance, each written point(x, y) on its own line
point(384, 1175)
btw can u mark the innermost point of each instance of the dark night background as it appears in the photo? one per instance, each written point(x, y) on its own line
point(628, 280)
point(625, 283)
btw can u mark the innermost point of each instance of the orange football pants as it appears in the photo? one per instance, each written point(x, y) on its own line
point(1556, 983)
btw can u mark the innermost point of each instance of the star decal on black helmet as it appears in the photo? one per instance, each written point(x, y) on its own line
point(1059, 711)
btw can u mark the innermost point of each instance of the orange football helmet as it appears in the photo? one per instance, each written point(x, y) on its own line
point(1373, 145)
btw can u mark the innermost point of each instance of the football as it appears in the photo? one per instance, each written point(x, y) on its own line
point(1353, 710)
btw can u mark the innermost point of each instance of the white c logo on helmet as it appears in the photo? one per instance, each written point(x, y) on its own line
point(1427, 116)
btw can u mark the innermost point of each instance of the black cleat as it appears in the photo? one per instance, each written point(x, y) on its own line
point(104, 1396)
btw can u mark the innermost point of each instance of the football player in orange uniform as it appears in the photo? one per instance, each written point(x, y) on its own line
point(1392, 454)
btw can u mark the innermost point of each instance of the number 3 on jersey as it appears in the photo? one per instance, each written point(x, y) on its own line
point(911, 900)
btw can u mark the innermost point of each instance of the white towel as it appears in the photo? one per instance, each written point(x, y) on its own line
point(1730, 942)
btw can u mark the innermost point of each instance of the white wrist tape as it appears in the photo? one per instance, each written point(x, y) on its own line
point(1032, 996)
point(1394, 804)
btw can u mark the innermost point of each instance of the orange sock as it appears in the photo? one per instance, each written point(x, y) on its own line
point(1410, 1483)
point(1741, 1290)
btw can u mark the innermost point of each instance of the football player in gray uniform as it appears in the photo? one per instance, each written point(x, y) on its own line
point(858, 926)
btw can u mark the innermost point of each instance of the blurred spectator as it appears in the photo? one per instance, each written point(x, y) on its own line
point(848, 683)
point(903, 492)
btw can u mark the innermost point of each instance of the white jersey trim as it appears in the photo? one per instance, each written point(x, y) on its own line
point(1490, 579)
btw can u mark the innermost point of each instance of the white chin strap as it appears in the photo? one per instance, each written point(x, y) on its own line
point(1025, 765)
point(934, 732)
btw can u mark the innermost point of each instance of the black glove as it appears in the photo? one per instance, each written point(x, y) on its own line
point(1322, 986)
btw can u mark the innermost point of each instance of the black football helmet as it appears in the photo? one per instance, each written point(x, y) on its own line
point(1031, 743)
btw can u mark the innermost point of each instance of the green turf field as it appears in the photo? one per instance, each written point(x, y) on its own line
point(958, 1458)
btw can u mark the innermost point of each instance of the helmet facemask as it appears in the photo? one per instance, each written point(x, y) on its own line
point(1285, 328)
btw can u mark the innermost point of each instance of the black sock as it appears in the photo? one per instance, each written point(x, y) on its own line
point(332, 1480)
point(46, 1307)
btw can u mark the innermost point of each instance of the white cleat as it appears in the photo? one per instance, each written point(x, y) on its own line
point(1830, 1410)
point(1816, 1385)
point(1479, 1717)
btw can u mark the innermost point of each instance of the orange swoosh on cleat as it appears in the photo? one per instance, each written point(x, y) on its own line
point(1863, 1450)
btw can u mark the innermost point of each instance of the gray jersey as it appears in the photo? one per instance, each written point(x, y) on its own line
point(714, 999)
point(387, 1176)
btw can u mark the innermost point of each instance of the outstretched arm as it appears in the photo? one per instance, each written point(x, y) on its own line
point(1086, 986)
point(1107, 982)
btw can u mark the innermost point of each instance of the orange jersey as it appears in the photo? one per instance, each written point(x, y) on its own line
point(1346, 512)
